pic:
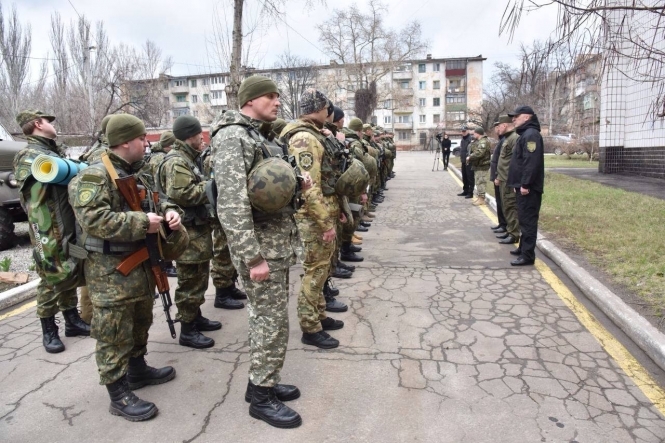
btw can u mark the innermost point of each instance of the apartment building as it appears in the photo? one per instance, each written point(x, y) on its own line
point(417, 98)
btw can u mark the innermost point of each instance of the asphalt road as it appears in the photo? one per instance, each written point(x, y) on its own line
point(443, 342)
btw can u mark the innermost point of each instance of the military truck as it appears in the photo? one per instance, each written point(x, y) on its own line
point(11, 210)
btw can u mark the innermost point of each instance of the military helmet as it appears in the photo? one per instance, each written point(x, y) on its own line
point(271, 185)
point(353, 181)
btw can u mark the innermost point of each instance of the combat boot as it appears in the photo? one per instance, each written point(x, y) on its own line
point(236, 293)
point(126, 404)
point(348, 255)
point(365, 224)
point(332, 305)
point(338, 272)
point(267, 407)
point(342, 265)
point(330, 324)
point(139, 374)
point(282, 392)
point(361, 229)
point(354, 248)
point(204, 324)
point(329, 289)
point(74, 325)
point(355, 241)
point(319, 339)
point(224, 298)
point(51, 339)
point(479, 202)
point(357, 236)
point(191, 337)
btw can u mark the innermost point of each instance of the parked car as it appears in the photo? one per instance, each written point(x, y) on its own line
point(11, 210)
point(455, 147)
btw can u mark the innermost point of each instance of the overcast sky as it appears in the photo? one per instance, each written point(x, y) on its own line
point(454, 28)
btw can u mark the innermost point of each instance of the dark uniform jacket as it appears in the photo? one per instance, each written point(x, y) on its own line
point(495, 159)
point(464, 147)
point(527, 167)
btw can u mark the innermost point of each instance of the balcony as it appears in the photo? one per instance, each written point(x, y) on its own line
point(179, 89)
point(178, 105)
point(402, 75)
point(403, 126)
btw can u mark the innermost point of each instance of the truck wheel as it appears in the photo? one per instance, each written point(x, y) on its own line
point(7, 236)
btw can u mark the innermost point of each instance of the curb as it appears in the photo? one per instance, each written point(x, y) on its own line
point(18, 294)
point(645, 335)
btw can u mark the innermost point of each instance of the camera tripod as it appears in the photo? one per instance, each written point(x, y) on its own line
point(437, 158)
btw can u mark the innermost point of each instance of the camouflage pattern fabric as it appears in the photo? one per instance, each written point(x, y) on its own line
point(190, 292)
point(51, 224)
point(32, 114)
point(222, 270)
point(480, 150)
point(271, 185)
point(234, 154)
point(316, 259)
point(94, 154)
point(154, 160)
point(481, 178)
point(121, 332)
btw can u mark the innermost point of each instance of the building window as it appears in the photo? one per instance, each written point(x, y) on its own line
point(180, 98)
point(387, 119)
point(206, 81)
point(423, 119)
point(452, 99)
point(403, 118)
point(195, 98)
point(180, 112)
point(437, 84)
point(178, 83)
point(458, 116)
point(404, 135)
point(437, 101)
point(456, 64)
point(206, 98)
point(166, 85)
point(422, 67)
point(216, 94)
point(422, 102)
point(192, 83)
point(422, 85)
point(423, 138)
point(388, 104)
point(436, 118)
point(405, 84)
point(455, 85)
point(436, 67)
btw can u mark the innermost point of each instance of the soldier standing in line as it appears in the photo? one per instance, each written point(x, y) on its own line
point(184, 184)
point(51, 227)
point(468, 180)
point(527, 176)
point(262, 243)
point(479, 160)
point(317, 218)
point(501, 227)
point(508, 202)
point(122, 312)
point(159, 150)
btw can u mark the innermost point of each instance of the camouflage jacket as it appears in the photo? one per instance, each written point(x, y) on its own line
point(102, 213)
point(479, 157)
point(50, 217)
point(506, 154)
point(321, 211)
point(235, 152)
point(154, 159)
point(184, 184)
point(95, 152)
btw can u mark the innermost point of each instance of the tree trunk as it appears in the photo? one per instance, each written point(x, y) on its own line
point(236, 53)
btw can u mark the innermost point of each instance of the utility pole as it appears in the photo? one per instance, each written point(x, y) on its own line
point(91, 101)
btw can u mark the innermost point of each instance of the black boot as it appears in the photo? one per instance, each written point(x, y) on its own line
point(126, 404)
point(139, 374)
point(330, 324)
point(51, 340)
point(345, 266)
point(282, 392)
point(267, 407)
point(332, 305)
point(354, 248)
point(74, 326)
point(319, 339)
point(341, 273)
point(348, 255)
point(329, 289)
point(224, 299)
point(236, 293)
point(361, 229)
point(191, 337)
point(204, 324)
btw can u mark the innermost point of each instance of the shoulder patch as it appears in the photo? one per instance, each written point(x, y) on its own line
point(531, 146)
point(23, 171)
point(86, 192)
point(92, 179)
point(306, 160)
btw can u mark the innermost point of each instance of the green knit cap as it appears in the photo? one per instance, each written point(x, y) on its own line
point(105, 122)
point(122, 128)
point(356, 124)
point(167, 139)
point(255, 86)
point(186, 126)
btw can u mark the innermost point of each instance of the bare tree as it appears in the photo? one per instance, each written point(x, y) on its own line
point(297, 75)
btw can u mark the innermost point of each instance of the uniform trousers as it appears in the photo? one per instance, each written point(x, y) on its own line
point(528, 210)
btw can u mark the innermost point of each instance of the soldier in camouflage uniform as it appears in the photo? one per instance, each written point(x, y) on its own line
point(317, 218)
point(51, 228)
point(159, 150)
point(262, 244)
point(508, 197)
point(479, 159)
point(181, 180)
point(110, 232)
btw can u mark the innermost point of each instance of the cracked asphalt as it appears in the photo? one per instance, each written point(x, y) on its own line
point(443, 342)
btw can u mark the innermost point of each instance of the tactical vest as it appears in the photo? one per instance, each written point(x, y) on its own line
point(96, 244)
point(331, 163)
point(193, 215)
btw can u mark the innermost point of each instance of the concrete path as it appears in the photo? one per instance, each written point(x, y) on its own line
point(444, 342)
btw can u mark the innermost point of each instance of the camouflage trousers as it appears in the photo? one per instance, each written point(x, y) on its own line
point(121, 332)
point(316, 259)
point(86, 305)
point(222, 270)
point(509, 208)
point(49, 302)
point(267, 307)
point(190, 292)
point(481, 177)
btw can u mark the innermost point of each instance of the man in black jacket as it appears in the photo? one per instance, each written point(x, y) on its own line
point(445, 150)
point(468, 180)
point(527, 175)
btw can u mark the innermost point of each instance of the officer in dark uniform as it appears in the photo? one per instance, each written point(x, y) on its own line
point(468, 179)
point(527, 175)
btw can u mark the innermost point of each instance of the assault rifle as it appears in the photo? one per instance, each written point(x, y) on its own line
point(153, 248)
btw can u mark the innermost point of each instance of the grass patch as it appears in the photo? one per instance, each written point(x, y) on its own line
point(619, 232)
point(573, 161)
